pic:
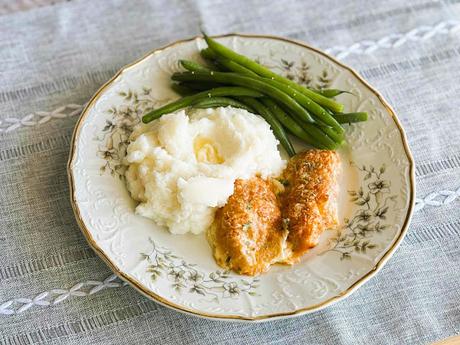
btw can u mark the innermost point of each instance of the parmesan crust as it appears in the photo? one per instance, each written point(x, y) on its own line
point(265, 222)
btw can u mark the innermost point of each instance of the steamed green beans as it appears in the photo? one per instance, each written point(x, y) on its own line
point(329, 93)
point(214, 102)
point(223, 51)
point(200, 86)
point(193, 66)
point(188, 100)
point(331, 133)
point(351, 117)
point(335, 133)
point(231, 79)
point(287, 122)
point(251, 83)
point(226, 63)
point(318, 135)
point(182, 90)
point(308, 104)
point(208, 54)
point(303, 100)
point(276, 127)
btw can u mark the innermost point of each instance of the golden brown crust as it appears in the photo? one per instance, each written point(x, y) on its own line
point(309, 204)
point(257, 228)
point(247, 235)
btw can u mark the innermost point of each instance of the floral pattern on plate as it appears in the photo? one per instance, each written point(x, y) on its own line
point(375, 202)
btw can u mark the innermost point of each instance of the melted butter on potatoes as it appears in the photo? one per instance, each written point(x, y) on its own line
point(182, 167)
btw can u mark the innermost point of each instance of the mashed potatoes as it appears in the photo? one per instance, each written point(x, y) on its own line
point(182, 168)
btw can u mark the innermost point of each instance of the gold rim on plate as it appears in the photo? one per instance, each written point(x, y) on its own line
point(138, 286)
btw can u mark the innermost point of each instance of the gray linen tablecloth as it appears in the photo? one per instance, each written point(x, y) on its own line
point(53, 57)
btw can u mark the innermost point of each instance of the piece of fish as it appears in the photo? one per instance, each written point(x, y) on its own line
point(265, 222)
point(247, 234)
point(309, 202)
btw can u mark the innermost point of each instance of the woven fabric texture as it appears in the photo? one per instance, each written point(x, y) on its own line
point(55, 55)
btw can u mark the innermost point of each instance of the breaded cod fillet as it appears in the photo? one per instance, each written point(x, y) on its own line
point(247, 235)
point(309, 203)
point(264, 223)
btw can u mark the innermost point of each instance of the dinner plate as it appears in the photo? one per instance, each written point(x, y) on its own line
point(375, 202)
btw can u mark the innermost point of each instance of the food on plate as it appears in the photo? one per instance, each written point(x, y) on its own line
point(309, 202)
point(182, 168)
point(190, 100)
point(247, 235)
point(265, 222)
point(314, 116)
point(209, 161)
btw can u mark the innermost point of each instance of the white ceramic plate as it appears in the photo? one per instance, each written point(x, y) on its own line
point(377, 193)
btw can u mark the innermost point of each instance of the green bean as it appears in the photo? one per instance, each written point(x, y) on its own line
point(318, 135)
point(303, 100)
point(211, 58)
point(308, 104)
point(329, 93)
point(325, 136)
point(223, 51)
point(331, 133)
point(228, 65)
point(193, 66)
point(287, 121)
point(235, 67)
point(181, 89)
point(188, 100)
point(200, 86)
point(277, 129)
point(208, 54)
point(351, 117)
point(249, 82)
point(214, 102)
